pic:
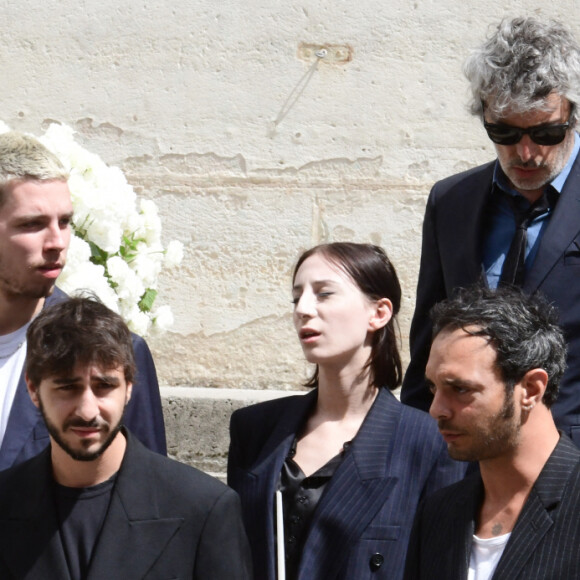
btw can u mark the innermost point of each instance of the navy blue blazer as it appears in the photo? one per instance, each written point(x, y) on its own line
point(545, 541)
point(451, 258)
point(367, 508)
point(26, 434)
point(165, 520)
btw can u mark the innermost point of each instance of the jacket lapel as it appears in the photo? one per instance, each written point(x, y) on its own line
point(29, 535)
point(560, 232)
point(461, 239)
point(24, 421)
point(466, 509)
point(355, 493)
point(261, 481)
point(134, 533)
point(277, 446)
point(535, 519)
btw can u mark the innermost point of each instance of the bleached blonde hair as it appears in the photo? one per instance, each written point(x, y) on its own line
point(23, 157)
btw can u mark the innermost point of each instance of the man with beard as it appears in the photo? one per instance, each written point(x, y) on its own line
point(516, 220)
point(96, 503)
point(35, 217)
point(494, 369)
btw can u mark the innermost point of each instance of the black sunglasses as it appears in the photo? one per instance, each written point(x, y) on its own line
point(540, 134)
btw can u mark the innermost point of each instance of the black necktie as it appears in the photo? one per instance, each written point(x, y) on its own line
point(513, 270)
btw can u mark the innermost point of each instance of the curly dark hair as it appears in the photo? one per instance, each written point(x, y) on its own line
point(523, 330)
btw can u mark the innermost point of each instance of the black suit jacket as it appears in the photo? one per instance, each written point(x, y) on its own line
point(165, 520)
point(451, 258)
point(545, 541)
point(26, 433)
point(367, 508)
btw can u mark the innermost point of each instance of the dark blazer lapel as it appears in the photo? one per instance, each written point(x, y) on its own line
point(135, 533)
point(355, 493)
point(560, 232)
point(261, 480)
point(466, 507)
point(278, 444)
point(23, 422)
point(29, 535)
point(535, 519)
point(461, 239)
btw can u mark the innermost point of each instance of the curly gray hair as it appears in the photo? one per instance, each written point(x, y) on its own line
point(522, 62)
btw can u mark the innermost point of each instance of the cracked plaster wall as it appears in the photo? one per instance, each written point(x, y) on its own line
point(251, 153)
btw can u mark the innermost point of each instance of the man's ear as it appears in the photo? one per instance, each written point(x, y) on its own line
point(382, 314)
point(129, 392)
point(534, 384)
point(32, 390)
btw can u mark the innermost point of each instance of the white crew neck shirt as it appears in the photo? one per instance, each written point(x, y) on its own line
point(485, 555)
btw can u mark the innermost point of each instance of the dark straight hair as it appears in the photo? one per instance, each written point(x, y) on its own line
point(373, 273)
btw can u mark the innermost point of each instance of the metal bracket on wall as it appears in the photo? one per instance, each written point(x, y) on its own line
point(326, 53)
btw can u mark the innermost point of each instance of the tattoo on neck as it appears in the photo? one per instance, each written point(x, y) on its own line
point(496, 529)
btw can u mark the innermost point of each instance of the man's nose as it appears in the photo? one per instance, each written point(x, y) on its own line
point(87, 406)
point(526, 148)
point(439, 408)
point(56, 237)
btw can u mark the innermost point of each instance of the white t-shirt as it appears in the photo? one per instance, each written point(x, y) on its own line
point(485, 555)
point(12, 357)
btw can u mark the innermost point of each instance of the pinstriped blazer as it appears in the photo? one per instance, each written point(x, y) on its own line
point(545, 541)
point(367, 508)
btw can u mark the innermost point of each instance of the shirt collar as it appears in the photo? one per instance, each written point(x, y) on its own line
point(500, 179)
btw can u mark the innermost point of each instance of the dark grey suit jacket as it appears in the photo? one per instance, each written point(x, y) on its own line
point(545, 541)
point(366, 511)
point(165, 520)
point(451, 258)
point(26, 434)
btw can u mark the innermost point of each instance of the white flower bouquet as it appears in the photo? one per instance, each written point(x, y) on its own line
point(116, 251)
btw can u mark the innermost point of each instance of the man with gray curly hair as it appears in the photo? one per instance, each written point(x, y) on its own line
point(35, 231)
point(514, 221)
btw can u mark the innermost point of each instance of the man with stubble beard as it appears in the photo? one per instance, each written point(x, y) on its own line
point(516, 220)
point(494, 370)
point(35, 230)
point(97, 504)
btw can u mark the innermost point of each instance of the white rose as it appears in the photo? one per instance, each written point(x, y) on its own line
point(162, 320)
point(107, 236)
point(79, 253)
point(173, 254)
point(89, 276)
point(146, 266)
point(129, 286)
point(152, 223)
point(138, 321)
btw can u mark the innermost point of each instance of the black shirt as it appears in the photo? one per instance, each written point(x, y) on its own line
point(300, 496)
point(81, 513)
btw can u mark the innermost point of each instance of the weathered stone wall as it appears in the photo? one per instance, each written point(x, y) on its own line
point(255, 149)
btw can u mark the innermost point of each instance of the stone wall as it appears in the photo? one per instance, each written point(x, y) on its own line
point(254, 149)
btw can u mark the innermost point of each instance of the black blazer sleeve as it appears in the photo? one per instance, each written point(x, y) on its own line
point(223, 551)
point(450, 259)
point(430, 290)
